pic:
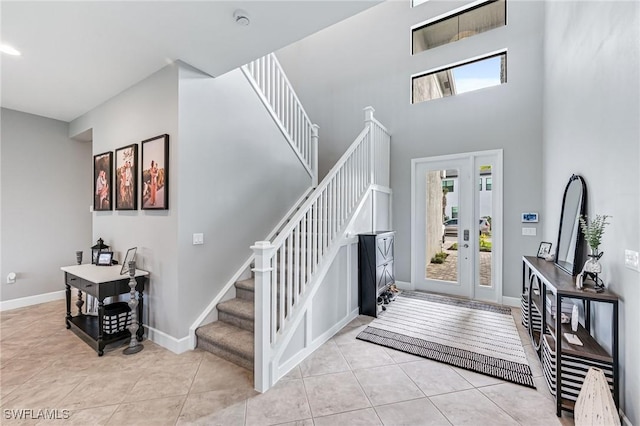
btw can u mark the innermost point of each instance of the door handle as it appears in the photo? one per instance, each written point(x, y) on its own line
point(466, 246)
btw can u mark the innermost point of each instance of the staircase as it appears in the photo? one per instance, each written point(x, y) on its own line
point(254, 329)
point(231, 337)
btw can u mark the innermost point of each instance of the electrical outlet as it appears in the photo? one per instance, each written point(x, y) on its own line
point(632, 260)
point(198, 239)
point(530, 232)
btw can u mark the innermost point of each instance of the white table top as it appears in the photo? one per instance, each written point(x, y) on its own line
point(100, 274)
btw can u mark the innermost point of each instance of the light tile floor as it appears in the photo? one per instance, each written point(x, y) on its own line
point(344, 382)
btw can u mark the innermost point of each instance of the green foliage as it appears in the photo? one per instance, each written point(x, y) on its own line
point(485, 245)
point(594, 229)
point(454, 246)
point(439, 257)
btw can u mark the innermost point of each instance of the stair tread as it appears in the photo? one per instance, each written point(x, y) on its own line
point(248, 284)
point(241, 308)
point(228, 337)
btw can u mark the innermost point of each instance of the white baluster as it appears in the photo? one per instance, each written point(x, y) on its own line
point(368, 120)
point(263, 251)
point(289, 274)
point(314, 152)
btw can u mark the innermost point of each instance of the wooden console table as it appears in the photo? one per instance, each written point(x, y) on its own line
point(100, 282)
point(550, 278)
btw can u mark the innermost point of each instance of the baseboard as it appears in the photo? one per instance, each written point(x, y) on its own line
point(176, 346)
point(514, 302)
point(625, 419)
point(31, 300)
point(403, 285)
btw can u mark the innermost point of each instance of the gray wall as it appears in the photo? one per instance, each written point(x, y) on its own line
point(148, 109)
point(238, 177)
point(46, 186)
point(591, 127)
point(365, 60)
point(232, 176)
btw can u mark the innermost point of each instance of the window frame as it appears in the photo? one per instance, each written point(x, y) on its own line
point(447, 15)
point(457, 64)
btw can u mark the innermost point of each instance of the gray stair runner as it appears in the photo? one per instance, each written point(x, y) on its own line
point(231, 337)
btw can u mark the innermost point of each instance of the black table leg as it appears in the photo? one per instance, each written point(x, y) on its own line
point(140, 332)
point(100, 328)
point(68, 296)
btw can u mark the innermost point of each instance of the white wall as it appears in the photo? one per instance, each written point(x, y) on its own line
point(148, 109)
point(591, 128)
point(46, 186)
point(238, 178)
point(365, 60)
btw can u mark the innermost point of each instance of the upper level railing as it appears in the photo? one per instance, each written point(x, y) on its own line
point(272, 85)
point(286, 267)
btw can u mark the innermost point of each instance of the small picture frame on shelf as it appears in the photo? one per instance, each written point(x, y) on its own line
point(529, 217)
point(544, 250)
point(131, 255)
point(104, 258)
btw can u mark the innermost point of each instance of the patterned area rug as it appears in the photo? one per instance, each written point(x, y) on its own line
point(467, 334)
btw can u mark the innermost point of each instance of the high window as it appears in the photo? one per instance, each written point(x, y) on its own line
point(447, 185)
point(466, 77)
point(466, 23)
point(488, 184)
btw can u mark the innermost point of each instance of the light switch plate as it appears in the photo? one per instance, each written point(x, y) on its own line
point(632, 260)
point(530, 232)
point(198, 239)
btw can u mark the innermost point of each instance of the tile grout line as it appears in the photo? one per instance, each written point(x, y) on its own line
point(189, 391)
point(306, 395)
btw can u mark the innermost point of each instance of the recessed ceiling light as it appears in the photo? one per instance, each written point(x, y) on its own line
point(9, 50)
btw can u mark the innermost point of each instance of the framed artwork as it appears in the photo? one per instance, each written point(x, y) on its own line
point(544, 250)
point(131, 255)
point(127, 177)
point(155, 173)
point(102, 166)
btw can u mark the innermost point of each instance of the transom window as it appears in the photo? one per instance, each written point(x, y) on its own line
point(454, 27)
point(466, 77)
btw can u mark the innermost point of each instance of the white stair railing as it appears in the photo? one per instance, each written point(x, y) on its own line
point(285, 269)
point(271, 84)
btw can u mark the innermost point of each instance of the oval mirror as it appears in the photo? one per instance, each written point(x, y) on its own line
point(570, 239)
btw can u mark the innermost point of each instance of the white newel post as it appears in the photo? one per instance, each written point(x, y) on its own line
point(368, 121)
point(314, 153)
point(263, 251)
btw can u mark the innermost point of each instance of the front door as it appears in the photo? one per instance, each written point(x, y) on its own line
point(456, 223)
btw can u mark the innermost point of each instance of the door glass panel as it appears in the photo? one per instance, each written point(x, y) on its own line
point(441, 225)
point(485, 243)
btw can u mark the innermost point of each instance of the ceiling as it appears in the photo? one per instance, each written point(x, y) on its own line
point(78, 54)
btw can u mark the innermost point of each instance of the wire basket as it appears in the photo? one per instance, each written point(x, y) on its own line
point(117, 317)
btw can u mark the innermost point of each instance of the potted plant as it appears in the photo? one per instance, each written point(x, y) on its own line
point(593, 231)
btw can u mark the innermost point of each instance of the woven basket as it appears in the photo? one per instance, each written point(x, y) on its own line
point(117, 317)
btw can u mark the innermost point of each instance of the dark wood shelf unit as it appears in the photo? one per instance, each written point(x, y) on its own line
point(100, 282)
point(561, 285)
point(590, 347)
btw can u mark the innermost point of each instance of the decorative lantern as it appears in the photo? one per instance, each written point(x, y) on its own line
point(95, 250)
